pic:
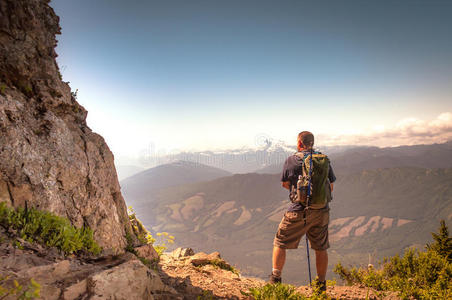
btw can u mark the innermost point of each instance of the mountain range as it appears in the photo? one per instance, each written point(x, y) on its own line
point(125, 171)
point(242, 160)
point(269, 159)
point(354, 159)
point(141, 187)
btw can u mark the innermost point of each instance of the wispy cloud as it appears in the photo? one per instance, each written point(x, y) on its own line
point(408, 131)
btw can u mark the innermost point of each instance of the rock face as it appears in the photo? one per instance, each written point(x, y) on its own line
point(49, 158)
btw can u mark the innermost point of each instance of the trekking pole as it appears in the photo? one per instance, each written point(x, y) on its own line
point(309, 262)
point(308, 202)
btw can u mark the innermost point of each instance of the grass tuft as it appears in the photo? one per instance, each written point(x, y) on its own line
point(48, 229)
point(281, 291)
point(223, 265)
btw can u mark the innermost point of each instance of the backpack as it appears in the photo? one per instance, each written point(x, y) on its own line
point(320, 184)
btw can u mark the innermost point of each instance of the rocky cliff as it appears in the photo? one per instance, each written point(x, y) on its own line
point(49, 158)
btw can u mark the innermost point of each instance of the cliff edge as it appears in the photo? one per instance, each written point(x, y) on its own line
point(49, 158)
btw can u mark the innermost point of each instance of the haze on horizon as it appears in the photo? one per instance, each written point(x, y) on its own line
point(206, 75)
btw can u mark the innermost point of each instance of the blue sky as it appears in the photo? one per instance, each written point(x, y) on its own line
point(215, 74)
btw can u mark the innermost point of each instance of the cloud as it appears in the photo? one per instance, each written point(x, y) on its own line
point(409, 131)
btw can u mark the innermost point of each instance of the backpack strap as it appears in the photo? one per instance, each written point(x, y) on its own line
point(308, 199)
point(303, 157)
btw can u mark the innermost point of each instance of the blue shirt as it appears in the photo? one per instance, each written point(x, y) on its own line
point(292, 169)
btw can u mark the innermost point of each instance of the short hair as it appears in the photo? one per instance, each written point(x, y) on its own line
point(306, 138)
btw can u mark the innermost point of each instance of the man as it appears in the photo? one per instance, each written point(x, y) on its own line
point(297, 221)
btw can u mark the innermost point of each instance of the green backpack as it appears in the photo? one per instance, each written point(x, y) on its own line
point(320, 184)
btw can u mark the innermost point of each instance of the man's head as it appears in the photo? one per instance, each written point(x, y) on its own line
point(305, 140)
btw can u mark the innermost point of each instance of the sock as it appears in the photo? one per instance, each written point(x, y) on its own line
point(276, 272)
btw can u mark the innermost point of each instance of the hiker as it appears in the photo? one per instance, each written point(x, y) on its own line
point(298, 220)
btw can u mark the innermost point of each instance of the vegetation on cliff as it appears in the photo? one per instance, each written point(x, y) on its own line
point(419, 274)
point(160, 243)
point(47, 229)
point(281, 291)
point(31, 291)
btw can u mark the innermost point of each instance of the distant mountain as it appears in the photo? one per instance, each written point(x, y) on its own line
point(239, 161)
point(376, 213)
point(367, 158)
point(125, 171)
point(271, 169)
point(140, 188)
point(423, 156)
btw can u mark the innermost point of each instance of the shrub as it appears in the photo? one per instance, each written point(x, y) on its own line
point(145, 237)
point(422, 275)
point(281, 291)
point(2, 88)
point(46, 228)
point(30, 292)
point(442, 242)
point(277, 291)
point(162, 242)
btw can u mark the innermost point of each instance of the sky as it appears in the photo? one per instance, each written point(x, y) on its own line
point(212, 75)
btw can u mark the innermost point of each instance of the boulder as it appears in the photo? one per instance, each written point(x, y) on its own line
point(202, 259)
point(76, 290)
point(47, 273)
point(148, 252)
point(50, 292)
point(182, 252)
point(130, 280)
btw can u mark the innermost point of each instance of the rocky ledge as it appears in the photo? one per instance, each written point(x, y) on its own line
point(181, 274)
point(111, 277)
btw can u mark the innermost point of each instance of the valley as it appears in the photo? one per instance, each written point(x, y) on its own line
point(374, 213)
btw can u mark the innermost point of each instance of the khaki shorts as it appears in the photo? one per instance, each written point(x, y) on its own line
point(292, 228)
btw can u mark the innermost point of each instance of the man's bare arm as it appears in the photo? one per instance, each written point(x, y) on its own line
point(285, 184)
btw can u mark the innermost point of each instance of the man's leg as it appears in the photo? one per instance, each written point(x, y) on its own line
point(321, 263)
point(279, 258)
point(289, 233)
point(318, 236)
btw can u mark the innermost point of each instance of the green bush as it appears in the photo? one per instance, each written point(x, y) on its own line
point(143, 235)
point(281, 291)
point(277, 291)
point(442, 242)
point(46, 228)
point(419, 274)
point(32, 291)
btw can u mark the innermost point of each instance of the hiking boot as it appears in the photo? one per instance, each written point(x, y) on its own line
point(322, 286)
point(274, 279)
